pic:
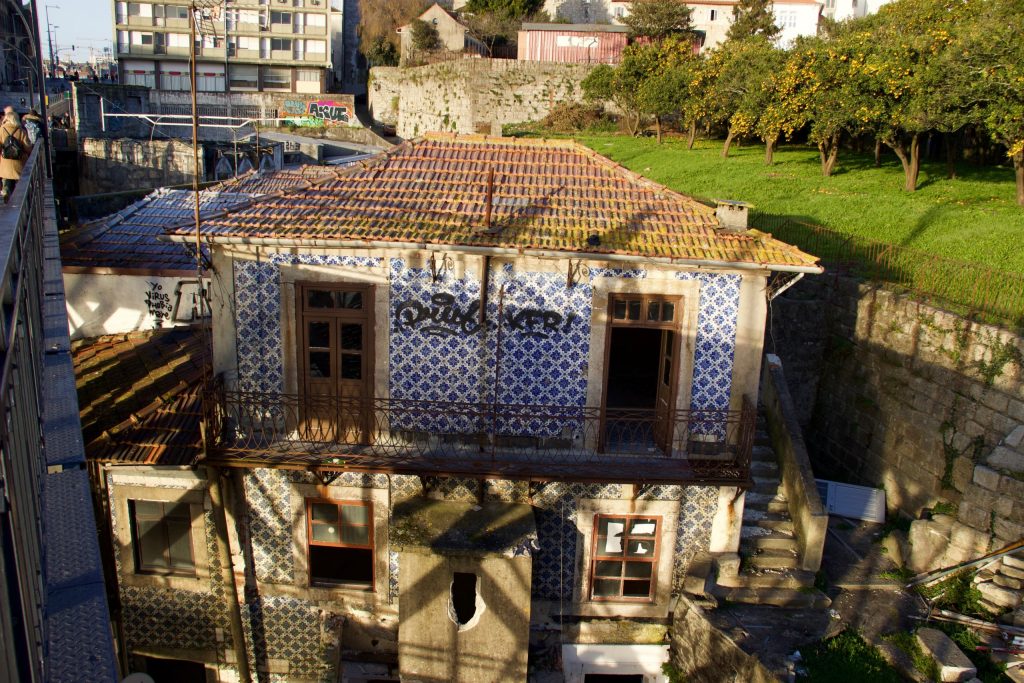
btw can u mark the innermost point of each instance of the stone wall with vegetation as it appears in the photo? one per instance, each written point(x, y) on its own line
point(700, 653)
point(902, 395)
point(112, 165)
point(470, 95)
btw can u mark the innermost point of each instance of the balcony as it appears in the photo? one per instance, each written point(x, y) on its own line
point(537, 443)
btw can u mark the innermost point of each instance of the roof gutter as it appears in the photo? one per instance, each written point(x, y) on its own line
point(490, 251)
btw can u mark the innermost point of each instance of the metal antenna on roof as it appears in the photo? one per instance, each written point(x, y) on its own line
point(202, 15)
point(490, 197)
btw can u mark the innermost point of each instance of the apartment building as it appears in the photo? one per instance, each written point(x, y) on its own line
point(244, 46)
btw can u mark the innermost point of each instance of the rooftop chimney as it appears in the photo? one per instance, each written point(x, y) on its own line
point(732, 215)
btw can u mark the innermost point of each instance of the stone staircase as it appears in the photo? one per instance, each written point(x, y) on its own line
point(767, 568)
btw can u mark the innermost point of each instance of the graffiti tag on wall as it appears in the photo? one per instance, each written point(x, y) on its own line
point(538, 323)
point(315, 113)
point(158, 303)
point(445, 317)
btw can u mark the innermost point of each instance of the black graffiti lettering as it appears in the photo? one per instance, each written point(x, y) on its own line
point(538, 323)
point(443, 317)
point(158, 304)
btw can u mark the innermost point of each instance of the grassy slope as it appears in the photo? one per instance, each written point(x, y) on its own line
point(974, 218)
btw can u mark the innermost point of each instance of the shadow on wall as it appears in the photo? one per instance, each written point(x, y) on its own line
point(448, 634)
point(910, 398)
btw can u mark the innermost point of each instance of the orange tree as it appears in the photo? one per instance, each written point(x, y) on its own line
point(740, 73)
point(986, 64)
point(904, 47)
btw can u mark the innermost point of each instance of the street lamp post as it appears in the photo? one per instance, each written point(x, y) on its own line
point(49, 37)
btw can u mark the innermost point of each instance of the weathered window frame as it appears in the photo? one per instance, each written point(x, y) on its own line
point(312, 543)
point(624, 558)
point(168, 508)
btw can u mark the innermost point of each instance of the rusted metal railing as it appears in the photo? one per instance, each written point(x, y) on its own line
point(577, 443)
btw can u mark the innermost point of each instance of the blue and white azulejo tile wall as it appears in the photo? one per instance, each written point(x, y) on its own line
point(439, 349)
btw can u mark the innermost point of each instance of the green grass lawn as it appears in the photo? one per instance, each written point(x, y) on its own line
point(973, 218)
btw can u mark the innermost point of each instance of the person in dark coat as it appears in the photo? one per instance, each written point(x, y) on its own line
point(10, 169)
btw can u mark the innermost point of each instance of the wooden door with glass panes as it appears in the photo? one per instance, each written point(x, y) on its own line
point(335, 357)
point(652, 312)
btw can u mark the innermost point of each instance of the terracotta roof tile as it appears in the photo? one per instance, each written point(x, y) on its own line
point(139, 396)
point(545, 194)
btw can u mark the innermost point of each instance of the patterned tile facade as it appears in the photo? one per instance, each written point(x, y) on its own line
point(297, 630)
point(290, 629)
point(716, 338)
point(439, 352)
point(258, 315)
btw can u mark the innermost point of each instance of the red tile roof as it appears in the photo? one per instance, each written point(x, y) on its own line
point(552, 195)
point(139, 396)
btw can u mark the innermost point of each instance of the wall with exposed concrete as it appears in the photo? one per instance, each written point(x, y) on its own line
point(906, 396)
point(110, 165)
point(470, 95)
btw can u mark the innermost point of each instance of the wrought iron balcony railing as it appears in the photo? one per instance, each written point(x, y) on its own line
point(533, 442)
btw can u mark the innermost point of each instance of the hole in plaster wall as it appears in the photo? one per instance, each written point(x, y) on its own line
point(464, 603)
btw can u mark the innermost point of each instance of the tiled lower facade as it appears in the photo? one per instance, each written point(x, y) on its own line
point(290, 637)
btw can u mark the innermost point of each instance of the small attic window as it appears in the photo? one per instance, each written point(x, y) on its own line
point(465, 604)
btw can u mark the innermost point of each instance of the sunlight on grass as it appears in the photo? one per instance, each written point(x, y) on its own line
point(973, 218)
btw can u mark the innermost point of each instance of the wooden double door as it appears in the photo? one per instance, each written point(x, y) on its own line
point(336, 361)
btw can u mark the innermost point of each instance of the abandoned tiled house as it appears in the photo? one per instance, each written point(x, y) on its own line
point(474, 405)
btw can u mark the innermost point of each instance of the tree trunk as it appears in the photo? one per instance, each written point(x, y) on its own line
point(657, 127)
point(692, 134)
point(915, 162)
point(728, 142)
point(1018, 169)
point(878, 152)
point(769, 149)
point(633, 124)
point(952, 153)
point(909, 159)
point(828, 152)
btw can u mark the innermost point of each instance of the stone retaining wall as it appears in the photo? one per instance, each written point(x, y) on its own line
point(903, 395)
point(470, 95)
point(109, 165)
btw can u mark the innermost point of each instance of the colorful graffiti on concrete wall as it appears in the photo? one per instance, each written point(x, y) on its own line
point(316, 113)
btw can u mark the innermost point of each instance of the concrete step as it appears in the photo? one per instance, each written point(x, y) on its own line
point(779, 506)
point(788, 578)
point(764, 468)
point(762, 500)
point(763, 452)
point(801, 598)
point(771, 542)
point(772, 559)
point(779, 524)
point(765, 485)
point(698, 579)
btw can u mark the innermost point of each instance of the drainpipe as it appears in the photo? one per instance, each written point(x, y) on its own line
point(227, 572)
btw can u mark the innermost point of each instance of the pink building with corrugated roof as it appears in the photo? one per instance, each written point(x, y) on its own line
point(573, 43)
